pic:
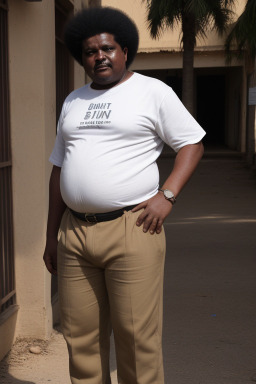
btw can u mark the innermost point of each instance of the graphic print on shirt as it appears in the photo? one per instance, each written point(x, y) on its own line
point(96, 115)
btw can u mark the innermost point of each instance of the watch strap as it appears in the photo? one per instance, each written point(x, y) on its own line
point(171, 199)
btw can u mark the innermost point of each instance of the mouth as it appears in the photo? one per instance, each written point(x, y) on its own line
point(101, 67)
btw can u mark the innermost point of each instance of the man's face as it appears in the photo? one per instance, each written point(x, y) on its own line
point(104, 60)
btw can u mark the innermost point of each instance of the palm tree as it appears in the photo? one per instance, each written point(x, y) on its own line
point(195, 16)
point(243, 34)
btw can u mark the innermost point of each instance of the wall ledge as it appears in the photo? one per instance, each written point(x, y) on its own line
point(8, 321)
point(8, 313)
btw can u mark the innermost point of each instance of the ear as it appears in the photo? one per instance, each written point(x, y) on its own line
point(125, 51)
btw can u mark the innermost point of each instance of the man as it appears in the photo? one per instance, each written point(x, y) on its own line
point(105, 198)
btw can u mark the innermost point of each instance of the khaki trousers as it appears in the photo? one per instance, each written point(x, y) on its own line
point(111, 277)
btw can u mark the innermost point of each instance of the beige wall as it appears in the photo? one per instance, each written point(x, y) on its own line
point(32, 101)
point(33, 127)
point(168, 60)
point(169, 40)
point(8, 321)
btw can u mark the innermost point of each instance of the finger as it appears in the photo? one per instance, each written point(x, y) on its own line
point(48, 266)
point(51, 267)
point(141, 218)
point(153, 226)
point(54, 269)
point(159, 226)
point(139, 206)
point(147, 223)
point(54, 272)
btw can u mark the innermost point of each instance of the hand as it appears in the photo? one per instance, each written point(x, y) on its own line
point(50, 256)
point(155, 211)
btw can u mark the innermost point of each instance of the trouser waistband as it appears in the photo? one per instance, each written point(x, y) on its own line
point(98, 217)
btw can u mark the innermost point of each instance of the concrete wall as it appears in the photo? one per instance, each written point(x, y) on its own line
point(251, 127)
point(236, 109)
point(168, 60)
point(32, 101)
point(33, 130)
point(169, 40)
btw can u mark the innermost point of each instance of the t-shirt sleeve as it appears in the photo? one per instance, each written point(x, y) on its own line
point(175, 125)
point(58, 153)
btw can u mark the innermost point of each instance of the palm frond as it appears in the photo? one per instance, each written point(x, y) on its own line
point(162, 14)
point(243, 34)
point(211, 13)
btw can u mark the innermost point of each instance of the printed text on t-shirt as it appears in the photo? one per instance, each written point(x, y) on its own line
point(97, 114)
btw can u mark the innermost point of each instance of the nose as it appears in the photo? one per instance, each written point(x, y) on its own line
point(100, 55)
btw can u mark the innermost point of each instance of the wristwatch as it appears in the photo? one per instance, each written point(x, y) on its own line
point(168, 195)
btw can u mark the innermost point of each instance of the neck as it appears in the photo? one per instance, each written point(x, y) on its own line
point(125, 77)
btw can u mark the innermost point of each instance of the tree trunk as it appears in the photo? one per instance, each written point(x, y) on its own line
point(188, 29)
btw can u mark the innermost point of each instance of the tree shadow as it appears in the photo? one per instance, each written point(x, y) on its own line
point(6, 378)
point(17, 358)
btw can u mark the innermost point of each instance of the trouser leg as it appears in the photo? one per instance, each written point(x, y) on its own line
point(132, 263)
point(135, 288)
point(84, 308)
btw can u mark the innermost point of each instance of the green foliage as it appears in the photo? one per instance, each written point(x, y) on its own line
point(163, 14)
point(243, 34)
point(196, 17)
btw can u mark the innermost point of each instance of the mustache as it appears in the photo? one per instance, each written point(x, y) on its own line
point(102, 64)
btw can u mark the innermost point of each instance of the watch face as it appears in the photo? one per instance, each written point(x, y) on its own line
point(168, 194)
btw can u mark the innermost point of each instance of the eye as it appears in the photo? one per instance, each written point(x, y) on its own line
point(108, 49)
point(88, 52)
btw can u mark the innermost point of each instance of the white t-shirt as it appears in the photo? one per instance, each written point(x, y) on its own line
point(108, 142)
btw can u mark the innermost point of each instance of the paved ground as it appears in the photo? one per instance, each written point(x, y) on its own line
point(210, 287)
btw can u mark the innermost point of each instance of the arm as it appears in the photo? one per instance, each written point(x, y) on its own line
point(158, 208)
point(56, 210)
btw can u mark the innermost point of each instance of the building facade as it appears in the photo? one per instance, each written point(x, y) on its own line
point(36, 75)
point(220, 90)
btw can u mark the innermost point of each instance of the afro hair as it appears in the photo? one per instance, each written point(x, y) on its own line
point(93, 21)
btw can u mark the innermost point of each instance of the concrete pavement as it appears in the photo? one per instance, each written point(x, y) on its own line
point(209, 332)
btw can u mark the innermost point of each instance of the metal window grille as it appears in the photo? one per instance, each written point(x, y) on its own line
point(62, 59)
point(62, 74)
point(7, 283)
point(3, 4)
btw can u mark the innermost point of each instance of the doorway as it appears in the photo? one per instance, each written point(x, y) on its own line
point(210, 92)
